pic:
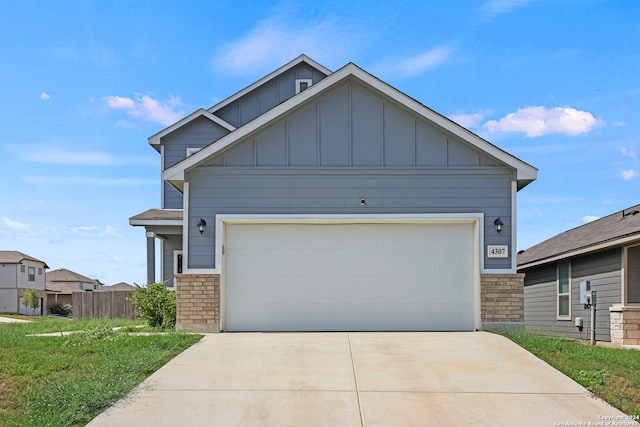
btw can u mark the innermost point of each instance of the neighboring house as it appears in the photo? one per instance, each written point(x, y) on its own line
point(606, 254)
point(18, 272)
point(61, 284)
point(314, 200)
point(122, 286)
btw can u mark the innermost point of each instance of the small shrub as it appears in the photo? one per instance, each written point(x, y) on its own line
point(156, 305)
point(60, 309)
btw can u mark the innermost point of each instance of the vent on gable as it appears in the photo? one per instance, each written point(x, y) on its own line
point(302, 84)
point(191, 151)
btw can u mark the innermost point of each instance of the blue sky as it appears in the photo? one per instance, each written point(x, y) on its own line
point(83, 84)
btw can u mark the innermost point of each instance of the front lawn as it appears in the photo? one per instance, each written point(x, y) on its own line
point(610, 373)
point(67, 381)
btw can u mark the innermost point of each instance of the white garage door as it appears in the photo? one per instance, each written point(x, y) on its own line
point(349, 277)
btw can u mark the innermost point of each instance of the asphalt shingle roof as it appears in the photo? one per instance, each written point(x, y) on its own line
point(14, 257)
point(608, 231)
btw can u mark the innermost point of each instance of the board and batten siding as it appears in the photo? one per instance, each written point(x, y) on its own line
point(220, 190)
point(350, 143)
point(267, 96)
point(197, 134)
point(602, 269)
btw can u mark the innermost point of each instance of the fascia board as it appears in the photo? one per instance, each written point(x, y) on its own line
point(524, 171)
point(201, 112)
point(142, 222)
point(176, 172)
point(284, 68)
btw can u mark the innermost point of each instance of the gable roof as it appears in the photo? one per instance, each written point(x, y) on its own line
point(154, 140)
point(270, 76)
point(175, 175)
point(64, 275)
point(613, 230)
point(15, 257)
point(122, 286)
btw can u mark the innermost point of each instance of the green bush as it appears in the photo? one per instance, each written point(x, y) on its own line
point(60, 309)
point(156, 305)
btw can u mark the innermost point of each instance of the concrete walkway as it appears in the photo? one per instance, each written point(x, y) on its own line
point(357, 379)
point(12, 320)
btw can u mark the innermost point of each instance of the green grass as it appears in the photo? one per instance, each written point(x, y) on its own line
point(612, 374)
point(67, 381)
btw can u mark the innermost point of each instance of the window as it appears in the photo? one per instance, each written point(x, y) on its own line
point(564, 291)
point(302, 84)
point(32, 274)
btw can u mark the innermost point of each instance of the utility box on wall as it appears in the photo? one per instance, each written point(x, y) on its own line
point(585, 292)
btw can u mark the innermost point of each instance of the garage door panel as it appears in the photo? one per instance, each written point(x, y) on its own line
point(349, 277)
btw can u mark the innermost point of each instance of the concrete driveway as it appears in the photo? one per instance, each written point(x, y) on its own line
point(357, 379)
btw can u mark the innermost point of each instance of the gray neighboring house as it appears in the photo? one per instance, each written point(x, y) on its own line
point(606, 253)
point(314, 200)
point(18, 272)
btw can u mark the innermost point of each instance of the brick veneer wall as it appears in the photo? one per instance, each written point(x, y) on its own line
point(198, 302)
point(502, 300)
point(625, 325)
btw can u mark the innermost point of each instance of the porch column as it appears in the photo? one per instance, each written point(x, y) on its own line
point(151, 258)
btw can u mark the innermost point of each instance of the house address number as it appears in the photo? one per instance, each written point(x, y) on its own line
point(497, 251)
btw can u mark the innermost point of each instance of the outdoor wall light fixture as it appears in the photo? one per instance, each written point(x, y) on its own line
point(202, 225)
point(498, 225)
point(363, 202)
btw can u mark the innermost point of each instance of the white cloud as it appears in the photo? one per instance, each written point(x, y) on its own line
point(629, 152)
point(468, 121)
point(44, 96)
point(538, 121)
point(588, 218)
point(14, 225)
point(95, 231)
point(144, 107)
point(88, 181)
point(286, 34)
point(423, 62)
point(60, 156)
point(627, 174)
point(493, 8)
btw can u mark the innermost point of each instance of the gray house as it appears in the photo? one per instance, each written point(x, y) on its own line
point(19, 272)
point(605, 254)
point(314, 200)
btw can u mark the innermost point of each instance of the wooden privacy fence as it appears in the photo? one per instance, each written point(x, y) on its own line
point(98, 304)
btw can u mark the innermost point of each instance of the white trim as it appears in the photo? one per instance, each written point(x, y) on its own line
point(150, 222)
point(300, 82)
point(514, 227)
point(154, 140)
point(270, 76)
point(558, 294)
point(192, 150)
point(176, 252)
point(625, 278)
point(524, 171)
point(185, 229)
point(476, 219)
